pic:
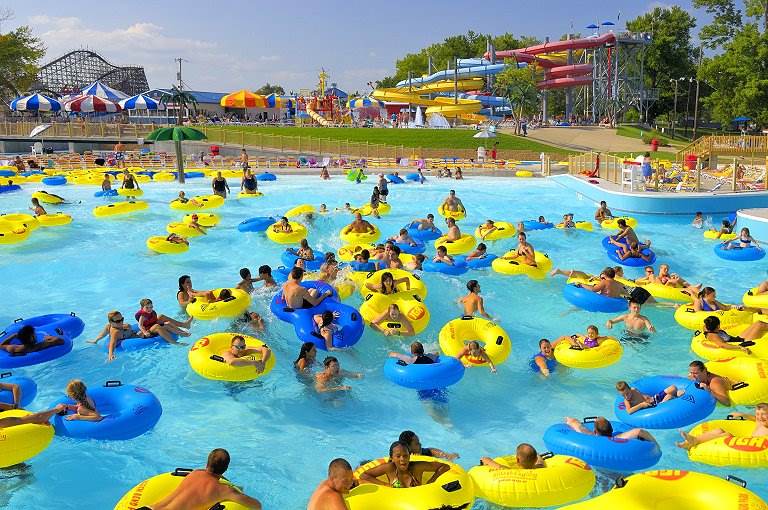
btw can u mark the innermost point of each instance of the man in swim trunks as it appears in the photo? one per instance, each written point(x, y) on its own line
point(329, 495)
point(453, 203)
point(417, 357)
point(634, 323)
point(717, 385)
point(627, 234)
point(524, 251)
point(604, 428)
point(635, 400)
point(298, 297)
point(526, 457)
point(383, 189)
point(603, 213)
point(386, 322)
point(238, 350)
point(473, 301)
point(607, 286)
point(453, 234)
point(28, 342)
point(202, 488)
point(331, 376)
point(427, 223)
point(359, 226)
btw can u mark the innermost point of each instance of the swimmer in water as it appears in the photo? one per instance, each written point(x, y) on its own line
point(473, 301)
point(634, 323)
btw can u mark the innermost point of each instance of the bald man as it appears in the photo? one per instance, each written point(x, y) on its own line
point(329, 495)
point(526, 456)
point(201, 489)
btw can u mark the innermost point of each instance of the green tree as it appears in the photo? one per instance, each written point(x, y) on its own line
point(669, 55)
point(758, 9)
point(519, 87)
point(739, 77)
point(20, 53)
point(268, 89)
point(726, 21)
point(184, 101)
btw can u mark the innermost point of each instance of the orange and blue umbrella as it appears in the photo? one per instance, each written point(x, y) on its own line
point(243, 99)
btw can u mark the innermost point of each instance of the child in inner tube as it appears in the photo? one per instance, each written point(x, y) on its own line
point(591, 340)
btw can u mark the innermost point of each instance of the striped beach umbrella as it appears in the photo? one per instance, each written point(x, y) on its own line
point(35, 103)
point(88, 104)
point(141, 102)
point(365, 102)
point(243, 99)
point(103, 91)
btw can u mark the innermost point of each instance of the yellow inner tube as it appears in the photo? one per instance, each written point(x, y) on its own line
point(119, 208)
point(206, 360)
point(11, 233)
point(580, 225)
point(250, 194)
point(21, 220)
point(562, 480)
point(456, 215)
point(464, 244)
point(197, 203)
point(125, 192)
point(707, 350)
point(687, 317)
point(754, 300)
point(154, 489)
point(523, 173)
point(299, 232)
point(738, 448)
point(206, 220)
point(299, 210)
point(417, 286)
point(514, 266)
point(713, 234)
point(750, 371)
point(164, 177)
point(367, 210)
point(613, 223)
point(410, 306)
point(607, 353)
point(453, 489)
point(22, 442)
point(200, 308)
point(503, 230)
point(347, 253)
point(54, 220)
point(182, 229)
point(453, 337)
point(355, 238)
point(160, 244)
point(46, 197)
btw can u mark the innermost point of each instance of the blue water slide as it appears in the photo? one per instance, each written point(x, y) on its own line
point(463, 73)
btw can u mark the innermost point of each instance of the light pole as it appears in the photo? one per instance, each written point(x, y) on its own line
point(695, 110)
point(688, 105)
point(674, 121)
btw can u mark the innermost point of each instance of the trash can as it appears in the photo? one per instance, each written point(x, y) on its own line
point(654, 145)
point(690, 161)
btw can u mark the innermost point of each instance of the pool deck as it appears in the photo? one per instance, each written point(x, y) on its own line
point(756, 220)
point(651, 202)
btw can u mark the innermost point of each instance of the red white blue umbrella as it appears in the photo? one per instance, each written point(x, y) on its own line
point(141, 102)
point(88, 104)
point(35, 103)
point(98, 89)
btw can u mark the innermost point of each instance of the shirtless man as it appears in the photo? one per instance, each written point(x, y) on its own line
point(392, 322)
point(453, 203)
point(453, 234)
point(359, 226)
point(473, 302)
point(633, 321)
point(330, 377)
point(238, 350)
point(526, 457)
point(202, 489)
point(329, 495)
point(524, 251)
point(717, 385)
point(603, 213)
point(604, 428)
point(298, 297)
point(607, 286)
point(627, 234)
point(28, 342)
point(427, 223)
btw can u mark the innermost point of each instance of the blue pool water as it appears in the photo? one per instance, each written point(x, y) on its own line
point(280, 433)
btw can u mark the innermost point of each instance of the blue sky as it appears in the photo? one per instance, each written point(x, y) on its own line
point(248, 43)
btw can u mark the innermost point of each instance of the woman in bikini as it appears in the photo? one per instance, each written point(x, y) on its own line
point(400, 472)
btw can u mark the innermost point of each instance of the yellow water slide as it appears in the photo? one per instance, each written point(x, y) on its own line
point(465, 109)
point(317, 117)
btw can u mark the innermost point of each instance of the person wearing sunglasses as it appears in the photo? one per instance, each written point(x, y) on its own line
point(240, 355)
point(117, 330)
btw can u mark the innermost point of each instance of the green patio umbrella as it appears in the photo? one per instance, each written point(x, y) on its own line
point(178, 134)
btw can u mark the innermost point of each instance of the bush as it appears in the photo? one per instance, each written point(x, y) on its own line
point(648, 138)
point(632, 116)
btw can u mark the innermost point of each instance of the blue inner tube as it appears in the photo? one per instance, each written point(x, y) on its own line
point(394, 179)
point(6, 188)
point(28, 389)
point(749, 254)
point(257, 224)
point(63, 325)
point(535, 225)
point(7, 173)
point(552, 364)
point(266, 176)
point(190, 175)
point(128, 411)
point(422, 235)
point(107, 193)
point(280, 274)
point(610, 249)
point(621, 455)
point(32, 172)
point(694, 405)
point(481, 263)
point(56, 180)
point(412, 250)
point(138, 343)
point(415, 177)
point(459, 267)
point(279, 307)
point(364, 266)
point(445, 372)
point(591, 301)
point(289, 260)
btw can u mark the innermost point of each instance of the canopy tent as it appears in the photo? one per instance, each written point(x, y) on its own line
point(98, 89)
point(141, 102)
point(89, 104)
point(335, 91)
point(35, 103)
point(243, 99)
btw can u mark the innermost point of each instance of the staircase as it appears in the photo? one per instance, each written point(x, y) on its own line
point(726, 145)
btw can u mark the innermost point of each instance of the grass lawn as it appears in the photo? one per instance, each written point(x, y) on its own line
point(425, 138)
point(634, 132)
point(655, 155)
